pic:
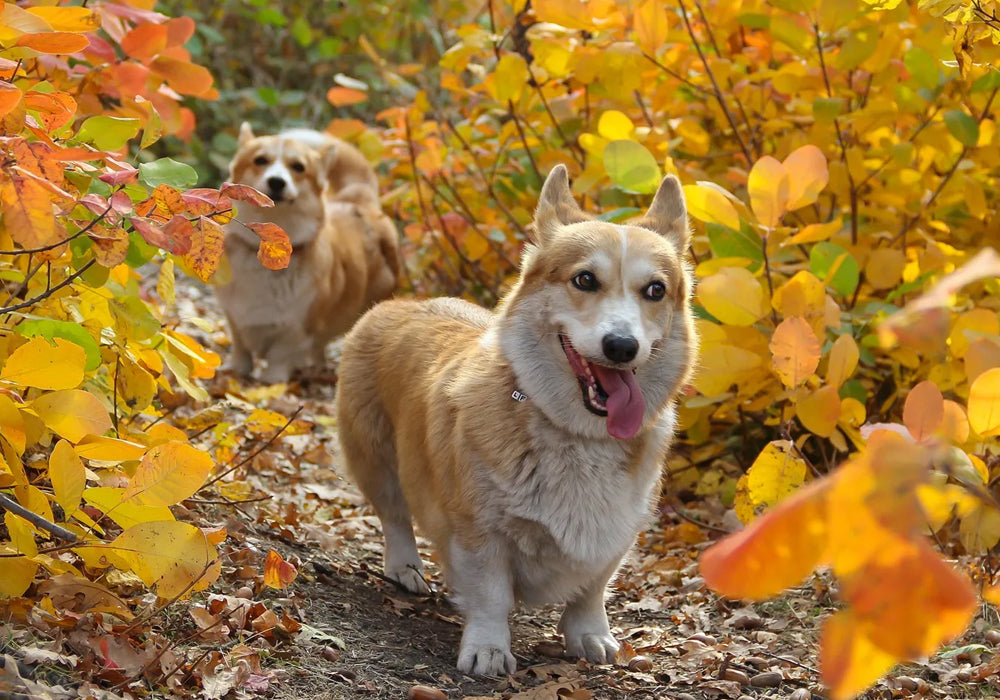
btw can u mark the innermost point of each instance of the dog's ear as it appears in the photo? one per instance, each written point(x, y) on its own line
point(556, 206)
point(246, 133)
point(667, 215)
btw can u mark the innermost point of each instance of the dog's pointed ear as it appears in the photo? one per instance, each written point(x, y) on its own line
point(246, 133)
point(667, 215)
point(556, 206)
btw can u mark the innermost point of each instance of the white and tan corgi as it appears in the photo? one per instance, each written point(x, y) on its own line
point(345, 253)
point(527, 443)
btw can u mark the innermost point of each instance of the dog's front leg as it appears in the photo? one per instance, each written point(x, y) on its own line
point(584, 623)
point(482, 582)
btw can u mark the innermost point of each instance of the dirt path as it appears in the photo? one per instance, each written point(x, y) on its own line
point(368, 639)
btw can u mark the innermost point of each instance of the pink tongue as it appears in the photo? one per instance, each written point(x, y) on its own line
point(625, 403)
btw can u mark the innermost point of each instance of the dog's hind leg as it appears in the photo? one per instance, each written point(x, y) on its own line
point(367, 440)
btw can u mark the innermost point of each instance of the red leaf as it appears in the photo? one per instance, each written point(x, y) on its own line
point(162, 238)
point(205, 200)
point(119, 177)
point(245, 193)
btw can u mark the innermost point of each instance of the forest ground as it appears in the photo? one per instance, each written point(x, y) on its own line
point(363, 637)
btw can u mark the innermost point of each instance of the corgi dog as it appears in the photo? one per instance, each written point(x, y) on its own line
point(527, 443)
point(345, 251)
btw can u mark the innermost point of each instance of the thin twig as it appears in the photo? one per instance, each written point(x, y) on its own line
point(35, 519)
point(48, 292)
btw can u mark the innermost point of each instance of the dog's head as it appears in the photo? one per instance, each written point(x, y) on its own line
point(286, 169)
point(610, 304)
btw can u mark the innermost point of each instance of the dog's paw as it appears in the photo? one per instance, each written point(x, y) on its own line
point(410, 578)
point(485, 660)
point(597, 648)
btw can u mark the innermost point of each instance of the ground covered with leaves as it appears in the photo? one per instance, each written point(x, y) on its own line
point(321, 622)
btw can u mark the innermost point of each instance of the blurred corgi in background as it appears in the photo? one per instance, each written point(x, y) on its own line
point(345, 251)
point(527, 443)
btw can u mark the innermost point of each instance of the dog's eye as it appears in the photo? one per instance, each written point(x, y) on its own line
point(260, 160)
point(654, 291)
point(586, 281)
point(297, 167)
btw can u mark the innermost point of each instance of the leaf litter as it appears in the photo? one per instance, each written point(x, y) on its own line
point(300, 609)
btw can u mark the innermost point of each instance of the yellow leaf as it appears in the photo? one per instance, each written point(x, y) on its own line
point(67, 475)
point(707, 204)
point(768, 188)
point(984, 403)
point(22, 534)
point(571, 14)
point(795, 351)
point(651, 28)
point(722, 366)
point(109, 501)
point(843, 361)
point(67, 19)
point(776, 473)
point(136, 387)
point(807, 176)
point(971, 326)
point(614, 125)
point(72, 414)
point(923, 410)
point(884, 269)
point(12, 424)
point(813, 233)
point(733, 296)
point(980, 529)
point(175, 557)
point(16, 574)
point(820, 411)
point(510, 77)
point(106, 449)
point(168, 474)
point(41, 364)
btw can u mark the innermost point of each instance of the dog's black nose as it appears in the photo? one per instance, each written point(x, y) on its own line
point(620, 348)
point(276, 184)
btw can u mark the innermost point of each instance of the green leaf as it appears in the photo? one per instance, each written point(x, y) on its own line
point(826, 109)
point(108, 133)
point(835, 266)
point(922, 67)
point(962, 126)
point(74, 333)
point(858, 47)
point(167, 171)
point(631, 166)
point(727, 243)
point(988, 81)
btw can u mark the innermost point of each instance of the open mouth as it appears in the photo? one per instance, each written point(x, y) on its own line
point(609, 392)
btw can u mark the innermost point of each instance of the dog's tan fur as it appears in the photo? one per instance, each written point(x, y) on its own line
point(524, 500)
point(345, 250)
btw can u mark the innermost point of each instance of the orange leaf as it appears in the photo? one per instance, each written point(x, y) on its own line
point(885, 594)
point(774, 552)
point(278, 573)
point(923, 410)
point(28, 215)
point(183, 76)
point(145, 41)
point(651, 27)
point(849, 661)
point(55, 109)
point(807, 175)
point(795, 351)
point(275, 250)
point(10, 97)
point(344, 97)
point(207, 242)
point(54, 42)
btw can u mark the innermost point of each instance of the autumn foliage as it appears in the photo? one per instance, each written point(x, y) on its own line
point(840, 163)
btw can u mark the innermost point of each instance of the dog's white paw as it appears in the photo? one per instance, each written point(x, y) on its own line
point(410, 578)
point(485, 660)
point(597, 648)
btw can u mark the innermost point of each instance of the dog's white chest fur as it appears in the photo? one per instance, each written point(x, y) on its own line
point(572, 510)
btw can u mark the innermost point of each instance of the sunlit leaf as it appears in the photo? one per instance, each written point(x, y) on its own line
point(795, 351)
point(72, 414)
point(706, 204)
point(632, 167)
point(275, 249)
point(278, 573)
point(769, 191)
point(984, 403)
point(44, 364)
point(807, 176)
point(173, 556)
point(923, 410)
point(168, 474)
point(733, 295)
point(844, 356)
